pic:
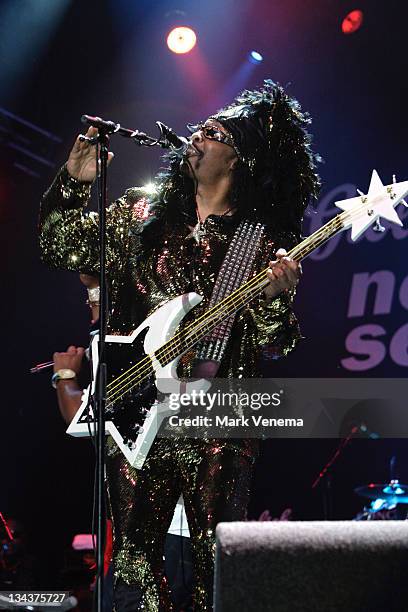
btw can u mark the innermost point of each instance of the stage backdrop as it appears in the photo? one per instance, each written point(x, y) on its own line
point(353, 299)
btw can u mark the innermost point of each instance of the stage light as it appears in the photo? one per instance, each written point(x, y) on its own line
point(352, 22)
point(150, 188)
point(255, 57)
point(181, 40)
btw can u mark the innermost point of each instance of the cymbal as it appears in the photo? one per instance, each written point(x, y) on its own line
point(393, 491)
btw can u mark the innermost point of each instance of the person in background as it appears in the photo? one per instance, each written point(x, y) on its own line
point(69, 396)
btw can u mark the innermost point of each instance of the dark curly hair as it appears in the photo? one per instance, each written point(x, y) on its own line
point(275, 188)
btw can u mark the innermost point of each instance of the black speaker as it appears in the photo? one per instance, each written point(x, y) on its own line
point(312, 567)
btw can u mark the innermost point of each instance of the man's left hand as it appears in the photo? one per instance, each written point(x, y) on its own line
point(284, 273)
point(71, 359)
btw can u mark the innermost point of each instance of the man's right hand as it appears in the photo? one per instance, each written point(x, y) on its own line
point(81, 164)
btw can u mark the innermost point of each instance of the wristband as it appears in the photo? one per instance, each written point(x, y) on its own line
point(62, 374)
point(93, 296)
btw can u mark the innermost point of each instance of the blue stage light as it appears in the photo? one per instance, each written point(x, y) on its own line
point(255, 57)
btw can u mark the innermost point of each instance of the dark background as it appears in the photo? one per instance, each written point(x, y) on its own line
point(62, 59)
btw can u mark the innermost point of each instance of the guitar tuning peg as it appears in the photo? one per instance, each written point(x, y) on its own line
point(377, 227)
point(394, 178)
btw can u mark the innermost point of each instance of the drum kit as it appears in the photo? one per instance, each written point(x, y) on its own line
point(387, 501)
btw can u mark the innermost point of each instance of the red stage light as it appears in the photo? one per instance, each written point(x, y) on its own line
point(181, 40)
point(352, 22)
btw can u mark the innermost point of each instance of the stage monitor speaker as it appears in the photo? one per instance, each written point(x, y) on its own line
point(325, 566)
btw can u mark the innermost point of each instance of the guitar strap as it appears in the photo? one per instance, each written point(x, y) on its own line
point(234, 271)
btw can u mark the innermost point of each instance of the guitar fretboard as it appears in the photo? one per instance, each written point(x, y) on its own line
point(187, 338)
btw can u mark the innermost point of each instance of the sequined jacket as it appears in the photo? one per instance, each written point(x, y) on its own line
point(140, 281)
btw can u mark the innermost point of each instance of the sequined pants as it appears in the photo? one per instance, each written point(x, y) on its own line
point(214, 477)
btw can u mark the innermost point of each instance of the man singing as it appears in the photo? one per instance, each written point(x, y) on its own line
point(249, 164)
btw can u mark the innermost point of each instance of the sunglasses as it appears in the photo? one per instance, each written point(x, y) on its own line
point(212, 132)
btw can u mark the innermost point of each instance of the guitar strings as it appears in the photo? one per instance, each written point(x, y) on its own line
point(211, 311)
point(211, 319)
point(249, 285)
point(132, 381)
point(255, 283)
point(170, 348)
point(329, 229)
point(139, 375)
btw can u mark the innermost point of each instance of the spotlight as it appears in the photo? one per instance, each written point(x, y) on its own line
point(352, 22)
point(255, 57)
point(149, 188)
point(181, 40)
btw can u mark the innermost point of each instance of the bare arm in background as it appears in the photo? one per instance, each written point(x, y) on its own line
point(69, 392)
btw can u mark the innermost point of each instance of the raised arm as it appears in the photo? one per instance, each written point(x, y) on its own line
point(69, 234)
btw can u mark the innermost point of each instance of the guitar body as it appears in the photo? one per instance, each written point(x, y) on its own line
point(135, 411)
point(134, 415)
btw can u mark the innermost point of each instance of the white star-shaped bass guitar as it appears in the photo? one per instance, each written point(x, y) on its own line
point(380, 202)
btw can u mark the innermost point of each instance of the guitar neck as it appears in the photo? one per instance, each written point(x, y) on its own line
point(358, 215)
point(242, 296)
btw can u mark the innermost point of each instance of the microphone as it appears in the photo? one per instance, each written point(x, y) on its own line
point(171, 139)
point(99, 123)
point(168, 138)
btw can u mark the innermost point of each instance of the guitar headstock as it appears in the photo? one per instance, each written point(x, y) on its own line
point(364, 210)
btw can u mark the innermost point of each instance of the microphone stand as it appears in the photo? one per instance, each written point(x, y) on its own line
point(325, 475)
point(167, 139)
point(100, 386)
